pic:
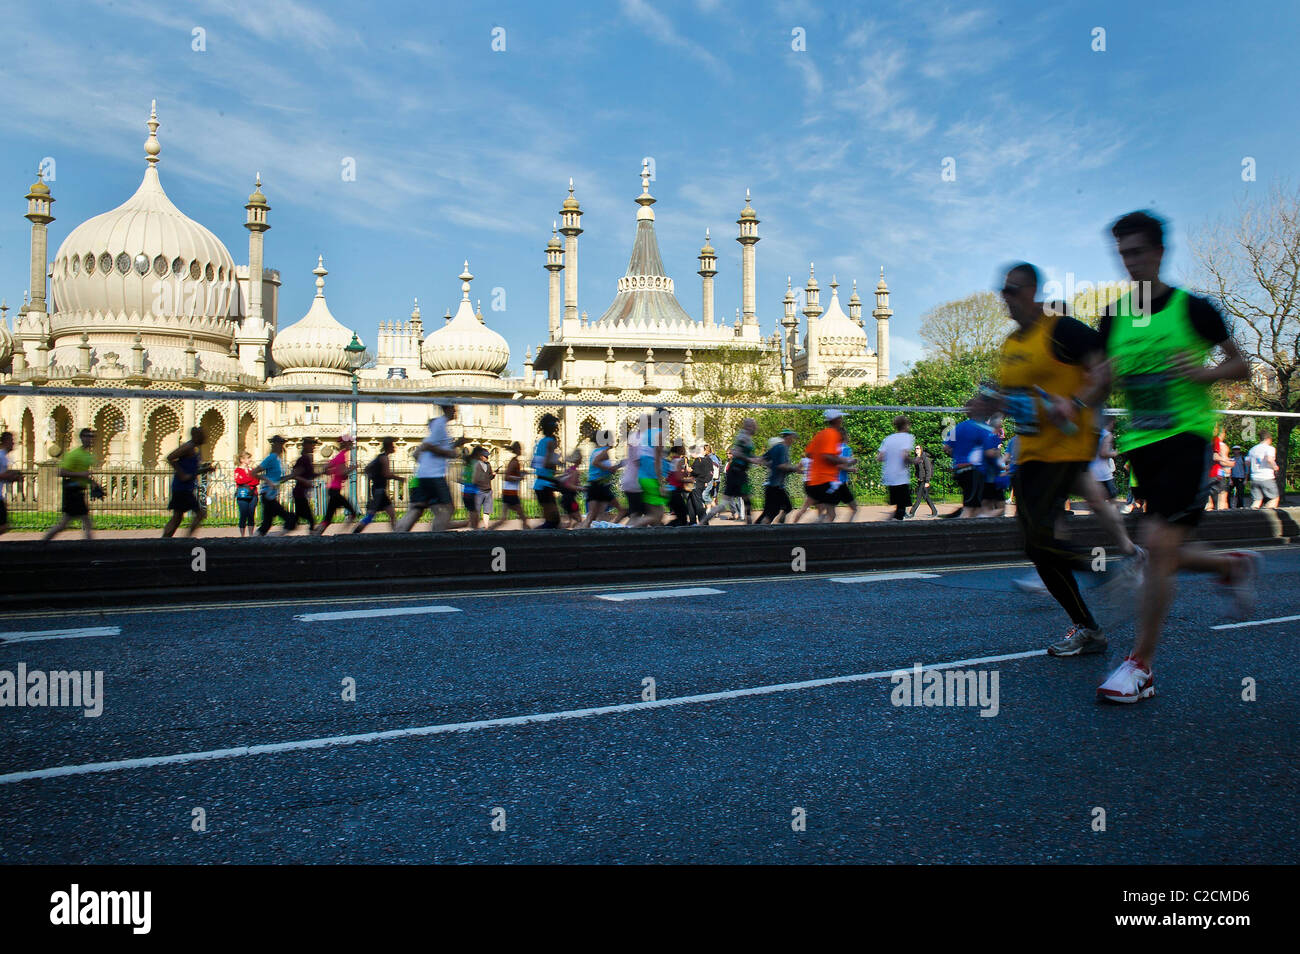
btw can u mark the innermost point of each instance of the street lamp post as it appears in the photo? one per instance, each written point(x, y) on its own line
point(356, 352)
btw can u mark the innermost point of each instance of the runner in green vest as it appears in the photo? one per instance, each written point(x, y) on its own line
point(1159, 340)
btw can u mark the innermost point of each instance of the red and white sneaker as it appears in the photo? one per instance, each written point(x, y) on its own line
point(1129, 683)
point(1242, 585)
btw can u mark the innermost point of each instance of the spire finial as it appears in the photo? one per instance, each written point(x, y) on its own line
point(645, 176)
point(151, 145)
point(834, 283)
point(706, 236)
point(746, 195)
point(788, 284)
point(320, 271)
point(570, 185)
point(465, 278)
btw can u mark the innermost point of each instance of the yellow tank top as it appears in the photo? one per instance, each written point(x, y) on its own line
point(1027, 364)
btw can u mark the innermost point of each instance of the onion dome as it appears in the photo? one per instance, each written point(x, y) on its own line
point(316, 342)
point(748, 213)
point(465, 345)
point(570, 203)
point(555, 239)
point(838, 335)
point(38, 187)
point(112, 263)
point(880, 285)
point(257, 198)
point(706, 248)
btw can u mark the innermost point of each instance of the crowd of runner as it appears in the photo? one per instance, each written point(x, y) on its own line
point(1157, 344)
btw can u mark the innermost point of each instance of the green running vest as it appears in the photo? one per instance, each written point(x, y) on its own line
point(1142, 350)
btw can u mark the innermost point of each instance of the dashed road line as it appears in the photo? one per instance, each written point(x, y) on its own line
point(389, 735)
point(374, 613)
point(1257, 622)
point(877, 577)
point(6, 638)
point(659, 594)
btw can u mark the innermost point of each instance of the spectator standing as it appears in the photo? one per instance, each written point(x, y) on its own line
point(1237, 476)
point(923, 466)
point(246, 494)
point(1220, 466)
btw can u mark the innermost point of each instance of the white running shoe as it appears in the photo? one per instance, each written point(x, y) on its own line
point(1033, 583)
point(1242, 589)
point(1129, 683)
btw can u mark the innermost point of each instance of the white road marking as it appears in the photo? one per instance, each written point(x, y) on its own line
point(1257, 622)
point(659, 594)
point(428, 730)
point(876, 577)
point(60, 634)
point(372, 613)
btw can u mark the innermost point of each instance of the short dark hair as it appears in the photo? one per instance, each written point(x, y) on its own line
point(515, 447)
point(388, 445)
point(5, 434)
point(1026, 271)
point(1143, 223)
point(549, 424)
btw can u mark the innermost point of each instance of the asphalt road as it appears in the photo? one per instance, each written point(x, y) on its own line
point(1195, 775)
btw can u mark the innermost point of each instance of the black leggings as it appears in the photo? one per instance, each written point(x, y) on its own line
point(270, 510)
point(1040, 486)
point(337, 501)
point(247, 511)
point(302, 510)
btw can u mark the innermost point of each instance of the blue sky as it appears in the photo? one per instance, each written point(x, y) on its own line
point(463, 152)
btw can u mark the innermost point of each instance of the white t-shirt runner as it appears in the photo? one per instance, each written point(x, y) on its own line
point(629, 479)
point(897, 448)
point(431, 464)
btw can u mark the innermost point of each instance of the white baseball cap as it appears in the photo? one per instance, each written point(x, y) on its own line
point(832, 414)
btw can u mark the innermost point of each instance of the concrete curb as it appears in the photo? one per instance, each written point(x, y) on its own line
point(68, 574)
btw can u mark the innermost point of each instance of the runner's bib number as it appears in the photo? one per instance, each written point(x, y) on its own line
point(1148, 402)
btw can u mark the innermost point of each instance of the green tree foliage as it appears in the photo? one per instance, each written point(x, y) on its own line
point(975, 324)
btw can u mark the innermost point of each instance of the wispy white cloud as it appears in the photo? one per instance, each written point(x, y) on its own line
point(659, 26)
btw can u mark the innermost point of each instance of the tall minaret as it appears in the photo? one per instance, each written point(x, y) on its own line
point(882, 313)
point(812, 307)
point(554, 265)
point(708, 268)
point(748, 238)
point(791, 324)
point(812, 310)
point(253, 333)
point(855, 305)
point(39, 201)
point(570, 228)
point(417, 325)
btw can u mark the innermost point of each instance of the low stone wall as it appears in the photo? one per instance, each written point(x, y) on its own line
point(71, 573)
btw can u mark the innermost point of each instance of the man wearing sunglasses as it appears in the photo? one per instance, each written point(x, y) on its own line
point(1048, 364)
